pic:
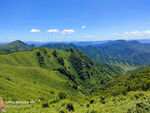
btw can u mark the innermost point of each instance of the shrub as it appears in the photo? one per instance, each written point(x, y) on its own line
point(61, 111)
point(62, 95)
point(102, 100)
point(45, 105)
point(54, 101)
point(93, 111)
point(70, 107)
point(52, 92)
point(88, 105)
point(91, 101)
point(38, 54)
point(61, 61)
point(55, 53)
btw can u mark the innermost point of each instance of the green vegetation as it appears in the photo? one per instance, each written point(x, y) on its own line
point(44, 70)
point(137, 81)
point(63, 81)
point(15, 46)
point(133, 102)
point(120, 52)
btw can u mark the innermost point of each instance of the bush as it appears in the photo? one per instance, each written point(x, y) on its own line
point(54, 101)
point(93, 111)
point(55, 53)
point(91, 101)
point(70, 107)
point(38, 54)
point(62, 95)
point(88, 105)
point(52, 92)
point(44, 105)
point(61, 111)
point(61, 61)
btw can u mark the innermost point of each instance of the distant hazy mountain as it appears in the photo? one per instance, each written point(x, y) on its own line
point(38, 43)
point(120, 51)
point(89, 43)
point(3, 43)
point(144, 40)
point(79, 43)
point(124, 52)
point(64, 80)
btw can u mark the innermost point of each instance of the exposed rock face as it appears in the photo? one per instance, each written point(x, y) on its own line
point(2, 106)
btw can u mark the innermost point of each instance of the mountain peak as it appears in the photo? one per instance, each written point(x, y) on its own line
point(17, 42)
point(16, 46)
point(119, 41)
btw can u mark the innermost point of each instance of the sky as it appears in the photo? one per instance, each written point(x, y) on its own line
point(74, 20)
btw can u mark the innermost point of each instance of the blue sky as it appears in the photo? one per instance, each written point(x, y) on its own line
point(74, 20)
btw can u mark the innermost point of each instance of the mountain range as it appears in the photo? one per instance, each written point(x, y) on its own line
point(119, 52)
point(66, 77)
point(15, 46)
point(68, 68)
point(131, 53)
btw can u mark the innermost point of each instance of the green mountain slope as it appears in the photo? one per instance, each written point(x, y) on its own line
point(121, 52)
point(15, 46)
point(58, 79)
point(31, 74)
point(125, 94)
point(137, 81)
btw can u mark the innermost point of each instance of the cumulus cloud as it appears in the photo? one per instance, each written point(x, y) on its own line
point(34, 30)
point(83, 27)
point(53, 31)
point(135, 34)
point(146, 32)
point(68, 31)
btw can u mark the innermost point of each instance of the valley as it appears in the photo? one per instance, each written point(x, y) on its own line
point(64, 79)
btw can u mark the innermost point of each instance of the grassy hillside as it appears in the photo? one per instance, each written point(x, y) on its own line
point(31, 74)
point(15, 46)
point(62, 81)
point(126, 94)
point(121, 52)
point(137, 81)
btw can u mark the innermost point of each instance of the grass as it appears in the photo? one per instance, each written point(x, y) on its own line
point(31, 74)
point(133, 102)
point(40, 75)
point(31, 83)
point(23, 78)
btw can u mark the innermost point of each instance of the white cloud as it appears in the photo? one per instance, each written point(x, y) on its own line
point(126, 33)
point(34, 30)
point(135, 34)
point(83, 27)
point(53, 31)
point(68, 31)
point(146, 32)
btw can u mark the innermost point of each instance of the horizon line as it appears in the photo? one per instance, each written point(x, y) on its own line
point(73, 40)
